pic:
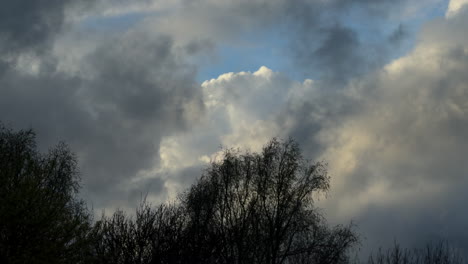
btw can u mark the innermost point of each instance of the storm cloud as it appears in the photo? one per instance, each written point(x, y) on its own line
point(389, 118)
point(394, 137)
point(124, 95)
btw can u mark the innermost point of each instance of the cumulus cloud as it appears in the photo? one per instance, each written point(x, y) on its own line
point(397, 156)
point(239, 112)
point(245, 110)
point(394, 138)
point(455, 6)
point(129, 104)
point(322, 39)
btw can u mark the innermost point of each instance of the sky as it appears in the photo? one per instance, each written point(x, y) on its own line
point(147, 92)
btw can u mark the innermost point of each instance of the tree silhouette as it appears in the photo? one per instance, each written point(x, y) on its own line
point(434, 253)
point(153, 236)
point(41, 219)
point(246, 208)
point(259, 208)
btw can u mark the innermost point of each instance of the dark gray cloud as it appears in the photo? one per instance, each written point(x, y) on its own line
point(338, 57)
point(393, 135)
point(439, 218)
point(127, 94)
point(318, 111)
point(30, 25)
point(328, 38)
point(138, 92)
point(398, 162)
point(130, 107)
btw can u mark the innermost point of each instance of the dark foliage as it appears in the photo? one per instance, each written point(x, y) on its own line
point(246, 208)
point(433, 253)
point(153, 236)
point(41, 220)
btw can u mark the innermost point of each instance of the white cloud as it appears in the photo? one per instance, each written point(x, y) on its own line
point(394, 139)
point(454, 7)
point(241, 111)
point(402, 153)
point(409, 130)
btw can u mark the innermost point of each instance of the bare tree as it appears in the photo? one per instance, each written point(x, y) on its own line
point(246, 208)
point(434, 253)
point(153, 235)
point(259, 208)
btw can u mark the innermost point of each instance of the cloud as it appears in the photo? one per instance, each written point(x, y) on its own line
point(31, 25)
point(398, 160)
point(454, 7)
point(128, 102)
point(394, 138)
point(241, 111)
point(323, 39)
point(113, 101)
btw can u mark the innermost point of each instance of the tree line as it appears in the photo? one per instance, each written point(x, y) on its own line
point(245, 208)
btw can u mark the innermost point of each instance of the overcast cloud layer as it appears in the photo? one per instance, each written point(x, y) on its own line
point(382, 97)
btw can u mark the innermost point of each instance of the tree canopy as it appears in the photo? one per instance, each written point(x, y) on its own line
point(246, 208)
point(41, 218)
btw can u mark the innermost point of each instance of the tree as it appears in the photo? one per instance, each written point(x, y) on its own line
point(153, 235)
point(246, 208)
point(259, 208)
point(434, 253)
point(41, 218)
